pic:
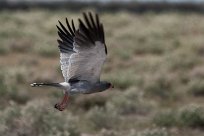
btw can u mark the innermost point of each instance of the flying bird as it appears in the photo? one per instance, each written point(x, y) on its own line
point(82, 54)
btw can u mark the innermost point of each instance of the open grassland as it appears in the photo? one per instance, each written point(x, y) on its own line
point(155, 62)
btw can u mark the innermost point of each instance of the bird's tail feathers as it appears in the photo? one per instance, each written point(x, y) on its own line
point(45, 84)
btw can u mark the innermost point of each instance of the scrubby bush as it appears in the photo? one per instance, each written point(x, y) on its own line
point(3, 50)
point(166, 118)
point(9, 120)
point(21, 44)
point(89, 101)
point(196, 87)
point(8, 90)
point(150, 46)
point(35, 119)
point(105, 132)
point(181, 60)
point(3, 87)
point(99, 118)
point(153, 132)
point(130, 101)
point(187, 116)
point(133, 132)
point(15, 75)
point(192, 116)
point(160, 86)
point(123, 79)
point(47, 51)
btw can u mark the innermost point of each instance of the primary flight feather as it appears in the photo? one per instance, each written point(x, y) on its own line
point(82, 54)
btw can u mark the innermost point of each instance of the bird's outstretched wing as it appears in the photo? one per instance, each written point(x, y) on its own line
point(66, 46)
point(83, 51)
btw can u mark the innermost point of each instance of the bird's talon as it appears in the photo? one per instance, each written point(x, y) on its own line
point(59, 107)
point(56, 106)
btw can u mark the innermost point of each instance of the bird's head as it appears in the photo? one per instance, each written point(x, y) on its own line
point(103, 85)
point(111, 85)
point(108, 85)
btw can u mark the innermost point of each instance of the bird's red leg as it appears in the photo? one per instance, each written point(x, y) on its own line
point(61, 106)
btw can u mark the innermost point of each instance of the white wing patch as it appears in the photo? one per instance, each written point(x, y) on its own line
point(64, 61)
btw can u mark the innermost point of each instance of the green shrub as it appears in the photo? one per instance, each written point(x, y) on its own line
point(3, 50)
point(18, 75)
point(160, 86)
point(192, 116)
point(47, 51)
point(10, 113)
point(9, 119)
point(105, 132)
point(153, 132)
point(133, 132)
point(123, 79)
point(122, 82)
point(188, 116)
point(21, 97)
point(150, 46)
point(89, 101)
point(21, 44)
point(3, 87)
point(8, 88)
point(35, 119)
point(130, 101)
point(196, 87)
point(181, 60)
point(166, 118)
point(100, 118)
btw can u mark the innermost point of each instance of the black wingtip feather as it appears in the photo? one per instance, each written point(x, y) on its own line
point(63, 27)
point(69, 27)
point(66, 39)
point(61, 31)
point(92, 20)
point(87, 20)
point(85, 30)
point(73, 27)
point(89, 31)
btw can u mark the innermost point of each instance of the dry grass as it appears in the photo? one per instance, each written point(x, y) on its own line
point(155, 61)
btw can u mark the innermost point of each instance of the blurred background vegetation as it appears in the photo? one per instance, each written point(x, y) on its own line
point(155, 61)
